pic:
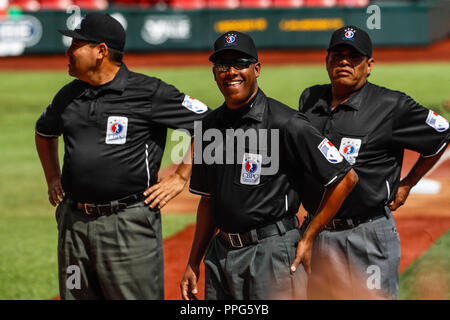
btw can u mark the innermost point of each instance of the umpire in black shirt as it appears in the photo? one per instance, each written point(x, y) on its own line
point(247, 178)
point(114, 123)
point(358, 254)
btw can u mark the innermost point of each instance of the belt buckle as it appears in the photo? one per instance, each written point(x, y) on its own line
point(232, 236)
point(86, 209)
point(333, 224)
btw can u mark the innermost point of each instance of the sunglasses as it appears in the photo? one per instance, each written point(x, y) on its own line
point(354, 57)
point(238, 64)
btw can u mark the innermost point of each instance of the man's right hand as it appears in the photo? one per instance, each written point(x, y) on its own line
point(47, 149)
point(55, 191)
point(188, 285)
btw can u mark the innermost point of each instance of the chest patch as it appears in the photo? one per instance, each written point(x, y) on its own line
point(350, 149)
point(329, 151)
point(437, 122)
point(251, 168)
point(116, 130)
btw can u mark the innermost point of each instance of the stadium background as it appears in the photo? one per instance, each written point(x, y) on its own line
point(412, 52)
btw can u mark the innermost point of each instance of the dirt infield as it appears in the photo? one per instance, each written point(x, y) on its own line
point(420, 222)
point(437, 52)
point(416, 237)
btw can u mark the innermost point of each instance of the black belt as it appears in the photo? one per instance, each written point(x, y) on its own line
point(349, 223)
point(107, 208)
point(239, 240)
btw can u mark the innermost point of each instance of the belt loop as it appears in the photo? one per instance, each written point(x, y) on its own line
point(114, 206)
point(296, 222)
point(281, 227)
point(350, 223)
point(254, 236)
point(386, 212)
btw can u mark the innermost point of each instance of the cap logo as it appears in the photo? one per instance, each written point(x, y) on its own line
point(78, 27)
point(230, 39)
point(349, 34)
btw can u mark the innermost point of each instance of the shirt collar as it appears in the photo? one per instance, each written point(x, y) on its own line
point(257, 107)
point(355, 101)
point(117, 84)
point(357, 98)
point(253, 110)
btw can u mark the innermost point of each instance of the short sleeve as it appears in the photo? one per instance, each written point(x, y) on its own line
point(302, 100)
point(418, 128)
point(49, 124)
point(309, 96)
point(307, 149)
point(199, 177)
point(174, 109)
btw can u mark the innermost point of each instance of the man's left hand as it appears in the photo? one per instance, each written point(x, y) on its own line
point(303, 256)
point(165, 190)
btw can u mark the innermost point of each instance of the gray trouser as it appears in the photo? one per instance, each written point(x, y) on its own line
point(118, 256)
point(357, 263)
point(259, 271)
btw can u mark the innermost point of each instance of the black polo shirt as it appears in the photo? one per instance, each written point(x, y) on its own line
point(251, 191)
point(371, 130)
point(115, 134)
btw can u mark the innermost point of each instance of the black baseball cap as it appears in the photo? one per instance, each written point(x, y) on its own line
point(236, 41)
point(352, 36)
point(99, 27)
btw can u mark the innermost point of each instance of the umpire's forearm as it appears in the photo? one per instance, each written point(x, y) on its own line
point(205, 229)
point(421, 167)
point(185, 167)
point(47, 149)
point(332, 200)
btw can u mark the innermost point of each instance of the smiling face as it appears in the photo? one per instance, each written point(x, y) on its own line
point(347, 68)
point(238, 85)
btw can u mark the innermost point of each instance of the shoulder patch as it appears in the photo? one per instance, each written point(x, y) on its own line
point(194, 105)
point(330, 152)
point(437, 122)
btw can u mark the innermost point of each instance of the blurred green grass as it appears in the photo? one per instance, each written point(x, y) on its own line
point(28, 263)
point(27, 228)
point(428, 277)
